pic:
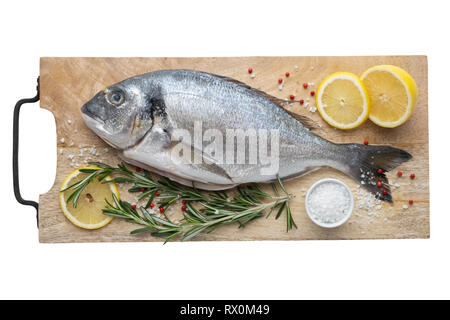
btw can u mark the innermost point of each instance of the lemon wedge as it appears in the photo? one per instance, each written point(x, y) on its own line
point(88, 213)
point(393, 95)
point(343, 101)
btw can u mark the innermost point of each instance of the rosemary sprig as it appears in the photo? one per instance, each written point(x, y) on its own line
point(164, 186)
point(216, 208)
point(210, 217)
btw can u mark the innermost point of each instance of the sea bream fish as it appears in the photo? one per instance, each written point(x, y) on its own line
point(143, 115)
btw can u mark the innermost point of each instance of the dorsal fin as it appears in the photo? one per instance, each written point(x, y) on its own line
point(277, 101)
point(307, 122)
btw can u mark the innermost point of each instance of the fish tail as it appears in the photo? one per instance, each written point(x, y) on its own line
point(365, 163)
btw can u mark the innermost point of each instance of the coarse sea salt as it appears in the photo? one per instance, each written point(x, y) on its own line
point(329, 202)
point(366, 201)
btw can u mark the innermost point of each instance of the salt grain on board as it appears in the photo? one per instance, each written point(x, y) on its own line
point(366, 201)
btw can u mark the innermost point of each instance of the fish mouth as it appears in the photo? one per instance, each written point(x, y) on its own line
point(96, 124)
point(88, 116)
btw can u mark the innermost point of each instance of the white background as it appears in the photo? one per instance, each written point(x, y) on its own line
point(273, 270)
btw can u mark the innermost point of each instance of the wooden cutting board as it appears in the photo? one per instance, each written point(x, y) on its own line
point(67, 83)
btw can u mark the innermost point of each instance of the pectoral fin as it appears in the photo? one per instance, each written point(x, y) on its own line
point(197, 164)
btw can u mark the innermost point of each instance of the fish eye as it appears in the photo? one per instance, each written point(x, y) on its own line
point(115, 97)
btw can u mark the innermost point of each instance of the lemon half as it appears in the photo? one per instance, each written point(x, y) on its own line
point(343, 101)
point(88, 213)
point(393, 95)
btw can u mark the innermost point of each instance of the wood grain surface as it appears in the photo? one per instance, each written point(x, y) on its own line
point(67, 83)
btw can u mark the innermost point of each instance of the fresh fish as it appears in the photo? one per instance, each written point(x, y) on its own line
point(141, 116)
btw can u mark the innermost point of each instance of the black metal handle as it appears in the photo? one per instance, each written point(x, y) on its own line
point(16, 152)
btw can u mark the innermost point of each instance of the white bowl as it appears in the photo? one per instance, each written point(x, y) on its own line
point(335, 224)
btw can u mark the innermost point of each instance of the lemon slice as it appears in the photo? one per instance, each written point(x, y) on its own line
point(343, 101)
point(393, 95)
point(88, 213)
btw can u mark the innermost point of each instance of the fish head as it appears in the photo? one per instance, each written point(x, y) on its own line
point(120, 114)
